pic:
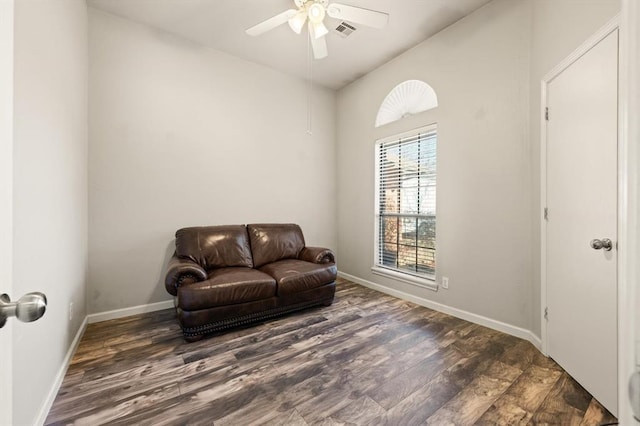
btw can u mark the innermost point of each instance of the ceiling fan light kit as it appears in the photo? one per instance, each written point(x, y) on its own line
point(297, 22)
point(315, 12)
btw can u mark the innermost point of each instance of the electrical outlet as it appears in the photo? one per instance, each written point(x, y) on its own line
point(70, 311)
point(445, 283)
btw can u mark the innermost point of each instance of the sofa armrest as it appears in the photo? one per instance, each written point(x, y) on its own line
point(182, 271)
point(317, 255)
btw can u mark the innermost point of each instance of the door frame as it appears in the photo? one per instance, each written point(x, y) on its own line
point(6, 200)
point(629, 161)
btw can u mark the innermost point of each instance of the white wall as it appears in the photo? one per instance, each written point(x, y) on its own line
point(479, 68)
point(486, 70)
point(50, 189)
point(182, 135)
point(559, 27)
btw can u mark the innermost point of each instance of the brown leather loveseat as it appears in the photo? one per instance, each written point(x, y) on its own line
point(224, 276)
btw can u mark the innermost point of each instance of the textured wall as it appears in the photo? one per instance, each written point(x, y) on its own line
point(182, 135)
point(479, 69)
point(486, 70)
point(553, 40)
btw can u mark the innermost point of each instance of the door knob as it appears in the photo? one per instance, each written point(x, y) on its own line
point(605, 244)
point(29, 307)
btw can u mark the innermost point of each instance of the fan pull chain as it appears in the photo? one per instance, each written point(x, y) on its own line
point(310, 83)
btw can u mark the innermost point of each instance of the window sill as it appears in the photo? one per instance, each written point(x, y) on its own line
point(428, 283)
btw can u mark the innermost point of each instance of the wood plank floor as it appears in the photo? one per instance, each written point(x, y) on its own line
point(369, 359)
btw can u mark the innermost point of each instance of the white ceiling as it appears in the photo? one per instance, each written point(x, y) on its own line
point(220, 24)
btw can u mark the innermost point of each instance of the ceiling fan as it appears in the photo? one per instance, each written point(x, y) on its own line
point(314, 11)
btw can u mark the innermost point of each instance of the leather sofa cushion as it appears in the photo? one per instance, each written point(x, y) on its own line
point(272, 242)
point(215, 246)
point(294, 276)
point(227, 286)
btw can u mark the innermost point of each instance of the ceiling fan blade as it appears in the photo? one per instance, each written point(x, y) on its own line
point(358, 15)
point(319, 30)
point(318, 45)
point(271, 23)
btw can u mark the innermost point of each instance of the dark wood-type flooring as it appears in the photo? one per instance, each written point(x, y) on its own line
point(369, 359)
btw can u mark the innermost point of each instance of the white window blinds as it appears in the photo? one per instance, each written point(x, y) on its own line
point(406, 203)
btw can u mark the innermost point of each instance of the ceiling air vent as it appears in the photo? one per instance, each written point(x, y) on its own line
point(344, 29)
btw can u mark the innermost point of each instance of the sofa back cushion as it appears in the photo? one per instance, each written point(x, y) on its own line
point(273, 242)
point(215, 246)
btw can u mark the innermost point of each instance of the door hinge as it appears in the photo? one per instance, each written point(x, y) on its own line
point(546, 213)
point(546, 313)
point(546, 113)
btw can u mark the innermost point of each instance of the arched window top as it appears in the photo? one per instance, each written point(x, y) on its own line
point(407, 98)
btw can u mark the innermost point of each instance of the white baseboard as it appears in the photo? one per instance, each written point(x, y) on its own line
point(459, 313)
point(53, 392)
point(125, 312)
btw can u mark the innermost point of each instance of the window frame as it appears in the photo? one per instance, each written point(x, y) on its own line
point(421, 280)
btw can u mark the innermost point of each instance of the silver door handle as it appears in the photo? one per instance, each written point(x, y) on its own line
point(29, 307)
point(604, 244)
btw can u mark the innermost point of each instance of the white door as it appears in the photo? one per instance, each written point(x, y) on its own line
point(582, 206)
point(6, 171)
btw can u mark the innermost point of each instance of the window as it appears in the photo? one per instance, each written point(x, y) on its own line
point(406, 206)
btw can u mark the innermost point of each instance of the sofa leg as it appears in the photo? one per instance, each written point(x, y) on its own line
point(327, 302)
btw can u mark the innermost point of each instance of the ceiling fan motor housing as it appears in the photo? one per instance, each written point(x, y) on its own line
point(301, 3)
